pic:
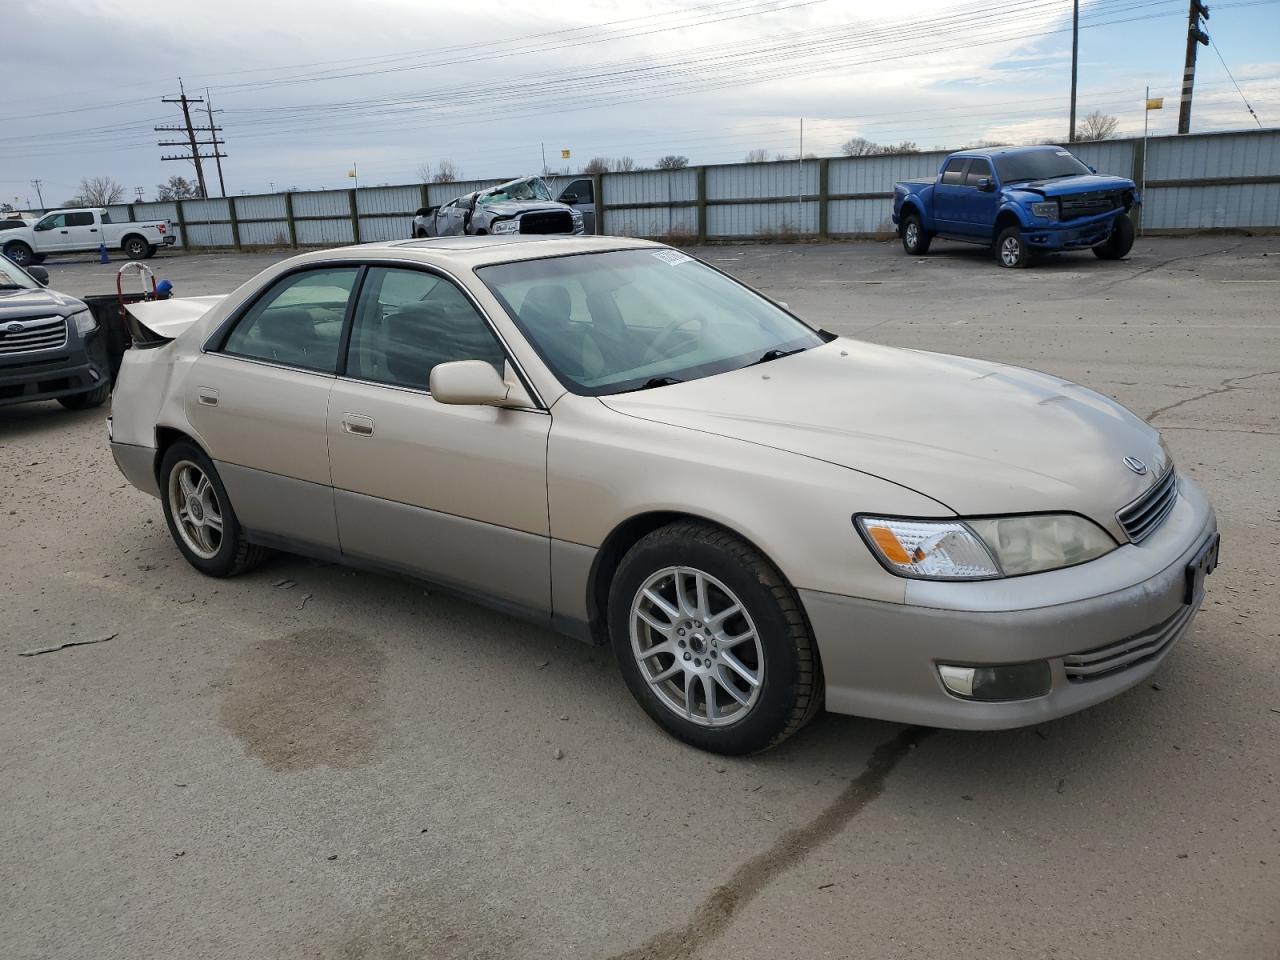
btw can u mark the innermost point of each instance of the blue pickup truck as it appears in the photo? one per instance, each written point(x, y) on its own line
point(1017, 200)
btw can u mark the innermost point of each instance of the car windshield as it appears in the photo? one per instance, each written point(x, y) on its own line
point(1047, 164)
point(629, 319)
point(12, 275)
point(530, 189)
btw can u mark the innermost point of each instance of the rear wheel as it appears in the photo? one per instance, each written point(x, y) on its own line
point(199, 514)
point(711, 640)
point(1119, 242)
point(914, 238)
point(83, 401)
point(135, 248)
point(1011, 249)
point(152, 250)
point(19, 253)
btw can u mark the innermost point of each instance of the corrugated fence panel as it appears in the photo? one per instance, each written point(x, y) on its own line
point(674, 222)
point(651, 186)
point(373, 229)
point(1114, 157)
point(156, 211)
point(208, 234)
point(323, 232)
point(750, 181)
point(264, 233)
point(1204, 208)
point(263, 207)
point(388, 200)
point(206, 210)
point(1213, 156)
point(859, 217)
point(878, 174)
point(119, 213)
point(322, 203)
point(762, 219)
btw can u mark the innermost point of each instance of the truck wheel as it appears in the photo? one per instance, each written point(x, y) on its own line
point(152, 250)
point(83, 401)
point(19, 253)
point(1011, 249)
point(914, 238)
point(200, 517)
point(1119, 242)
point(135, 248)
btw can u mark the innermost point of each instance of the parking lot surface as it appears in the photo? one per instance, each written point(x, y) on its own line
point(311, 762)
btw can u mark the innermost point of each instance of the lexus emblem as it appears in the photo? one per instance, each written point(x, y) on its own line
point(15, 328)
point(1136, 465)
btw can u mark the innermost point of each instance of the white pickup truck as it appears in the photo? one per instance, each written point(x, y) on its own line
point(71, 231)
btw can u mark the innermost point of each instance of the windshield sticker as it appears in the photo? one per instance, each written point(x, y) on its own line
point(672, 258)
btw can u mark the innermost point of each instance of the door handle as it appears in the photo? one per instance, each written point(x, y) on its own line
point(207, 396)
point(93, 229)
point(64, 231)
point(357, 425)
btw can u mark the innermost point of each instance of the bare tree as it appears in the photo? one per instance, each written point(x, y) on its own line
point(176, 188)
point(624, 165)
point(906, 146)
point(859, 147)
point(425, 172)
point(672, 161)
point(1098, 126)
point(597, 165)
point(758, 155)
point(100, 191)
point(446, 172)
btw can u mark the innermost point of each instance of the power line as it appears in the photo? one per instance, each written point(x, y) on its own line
point(1237, 86)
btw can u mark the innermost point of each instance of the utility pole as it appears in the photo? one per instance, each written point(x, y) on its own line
point(191, 142)
point(217, 157)
point(1195, 36)
point(39, 195)
point(1075, 59)
point(138, 191)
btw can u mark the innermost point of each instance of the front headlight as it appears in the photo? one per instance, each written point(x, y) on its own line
point(83, 321)
point(507, 226)
point(1047, 210)
point(984, 549)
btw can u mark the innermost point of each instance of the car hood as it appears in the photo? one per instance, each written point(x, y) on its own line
point(27, 303)
point(169, 318)
point(979, 437)
point(509, 208)
point(1065, 186)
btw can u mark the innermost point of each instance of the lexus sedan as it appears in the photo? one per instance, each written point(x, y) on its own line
point(615, 439)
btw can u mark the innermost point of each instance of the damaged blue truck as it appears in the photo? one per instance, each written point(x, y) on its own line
point(1019, 201)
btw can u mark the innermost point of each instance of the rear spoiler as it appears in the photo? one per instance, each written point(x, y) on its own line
point(153, 323)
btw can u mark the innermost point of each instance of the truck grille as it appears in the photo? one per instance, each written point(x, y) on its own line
point(1089, 204)
point(1104, 661)
point(42, 333)
point(551, 221)
point(1141, 518)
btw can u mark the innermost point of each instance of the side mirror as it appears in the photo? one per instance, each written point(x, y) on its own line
point(1092, 168)
point(569, 198)
point(784, 305)
point(43, 226)
point(985, 184)
point(476, 383)
point(39, 274)
point(424, 211)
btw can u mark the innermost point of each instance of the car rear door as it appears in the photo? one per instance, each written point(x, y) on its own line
point(455, 494)
point(948, 196)
point(258, 397)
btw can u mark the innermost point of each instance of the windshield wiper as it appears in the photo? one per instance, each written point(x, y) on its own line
point(776, 354)
point(659, 382)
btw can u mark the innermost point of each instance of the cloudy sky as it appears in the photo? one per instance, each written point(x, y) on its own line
point(308, 88)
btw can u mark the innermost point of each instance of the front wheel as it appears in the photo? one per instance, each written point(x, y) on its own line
point(712, 641)
point(1011, 249)
point(1119, 242)
point(83, 401)
point(135, 248)
point(199, 514)
point(914, 238)
point(19, 253)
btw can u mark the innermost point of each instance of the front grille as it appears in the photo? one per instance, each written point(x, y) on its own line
point(44, 333)
point(1141, 518)
point(550, 221)
point(1088, 204)
point(1104, 661)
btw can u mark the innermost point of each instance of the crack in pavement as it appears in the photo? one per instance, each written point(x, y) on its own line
point(1164, 263)
point(1229, 384)
point(713, 916)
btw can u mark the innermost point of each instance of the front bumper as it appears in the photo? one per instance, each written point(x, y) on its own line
point(1073, 235)
point(881, 659)
point(78, 367)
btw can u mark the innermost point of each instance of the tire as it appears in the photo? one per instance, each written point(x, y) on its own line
point(1011, 250)
point(770, 640)
point(152, 250)
point(135, 248)
point(19, 253)
point(421, 234)
point(83, 401)
point(1119, 242)
point(37, 259)
point(914, 238)
point(228, 553)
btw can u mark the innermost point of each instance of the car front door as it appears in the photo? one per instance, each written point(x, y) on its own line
point(455, 494)
point(948, 196)
point(258, 397)
point(583, 195)
point(52, 233)
point(978, 205)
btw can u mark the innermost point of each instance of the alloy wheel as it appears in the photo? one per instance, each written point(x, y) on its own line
point(196, 512)
point(913, 234)
point(1010, 251)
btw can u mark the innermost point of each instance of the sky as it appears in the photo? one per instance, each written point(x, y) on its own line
point(307, 89)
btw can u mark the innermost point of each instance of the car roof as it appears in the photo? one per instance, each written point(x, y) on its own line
point(1004, 151)
point(481, 251)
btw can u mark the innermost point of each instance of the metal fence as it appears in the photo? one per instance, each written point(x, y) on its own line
point(1199, 182)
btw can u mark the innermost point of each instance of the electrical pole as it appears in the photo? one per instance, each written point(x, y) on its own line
point(217, 157)
point(39, 195)
point(139, 192)
point(1075, 59)
point(1195, 36)
point(191, 142)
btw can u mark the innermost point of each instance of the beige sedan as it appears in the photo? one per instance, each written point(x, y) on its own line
point(615, 439)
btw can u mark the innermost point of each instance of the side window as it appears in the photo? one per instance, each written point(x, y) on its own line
point(82, 219)
point(584, 190)
point(298, 321)
point(977, 170)
point(52, 222)
point(954, 171)
point(407, 321)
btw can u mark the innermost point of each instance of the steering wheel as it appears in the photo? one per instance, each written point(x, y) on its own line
point(655, 349)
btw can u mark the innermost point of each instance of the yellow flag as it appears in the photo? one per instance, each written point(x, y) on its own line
point(564, 154)
point(1155, 103)
point(351, 173)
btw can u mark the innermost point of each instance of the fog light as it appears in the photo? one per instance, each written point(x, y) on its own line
point(1014, 681)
